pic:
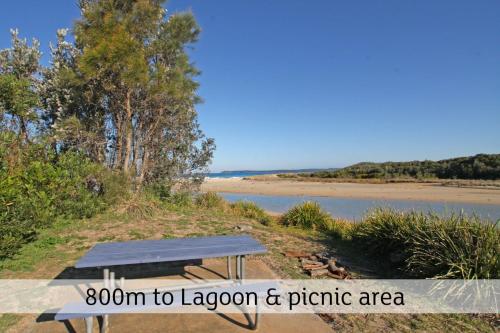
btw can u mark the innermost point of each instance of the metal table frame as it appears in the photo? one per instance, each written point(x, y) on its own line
point(111, 283)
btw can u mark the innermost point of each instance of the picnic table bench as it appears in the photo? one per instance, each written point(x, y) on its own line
point(107, 255)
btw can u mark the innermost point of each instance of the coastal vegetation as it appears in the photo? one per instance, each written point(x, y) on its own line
point(423, 245)
point(112, 115)
point(478, 167)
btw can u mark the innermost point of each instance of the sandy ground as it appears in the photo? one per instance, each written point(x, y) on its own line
point(402, 191)
point(194, 323)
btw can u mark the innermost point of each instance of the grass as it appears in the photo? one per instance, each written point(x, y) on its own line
point(422, 245)
point(7, 320)
point(211, 200)
point(252, 211)
point(310, 215)
point(307, 215)
point(456, 246)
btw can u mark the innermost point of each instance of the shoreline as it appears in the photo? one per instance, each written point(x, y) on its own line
point(388, 191)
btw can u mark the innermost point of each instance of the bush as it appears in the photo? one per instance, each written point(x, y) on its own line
point(181, 199)
point(251, 210)
point(307, 215)
point(384, 231)
point(39, 186)
point(139, 206)
point(337, 228)
point(210, 200)
point(115, 186)
point(457, 246)
point(160, 190)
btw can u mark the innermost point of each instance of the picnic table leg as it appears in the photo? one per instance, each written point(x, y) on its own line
point(242, 267)
point(89, 321)
point(238, 272)
point(255, 324)
point(105, 318)
point(229, 273)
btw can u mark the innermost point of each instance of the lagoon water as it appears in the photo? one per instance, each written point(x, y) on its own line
point(354, 209)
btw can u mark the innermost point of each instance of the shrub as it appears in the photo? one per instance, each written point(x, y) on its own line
point(180, 199)
point(138, 206)
point(251, 210)
point(40, 186)
point(160, 190)
point(116, 186)
point(307, 215)
point(210, 200)
point(384, 231)
point(459, 246)
point(337, 228)
point(456, 246)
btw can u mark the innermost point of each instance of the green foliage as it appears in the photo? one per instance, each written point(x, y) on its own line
point(307, 215)
point(481, 166)
point(115, 186)
point(457, 246)
point(427, 245)
point(211, 200)
point(337, 228)
point(181, 199)
point(384, 231)
point(41, 187)
point(17, 97)
point(7, 320)
point(251, 210)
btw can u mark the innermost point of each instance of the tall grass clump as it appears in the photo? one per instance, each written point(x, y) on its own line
point(430, 245)
point(459, 246)
point(338, 228)
point(251, 210)
point(307, 215)
point(385, 231)
point(211, 200)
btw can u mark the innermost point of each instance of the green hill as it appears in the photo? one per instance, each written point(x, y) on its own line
point(481, 166)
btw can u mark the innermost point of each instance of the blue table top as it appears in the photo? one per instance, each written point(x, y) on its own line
point(151, 251)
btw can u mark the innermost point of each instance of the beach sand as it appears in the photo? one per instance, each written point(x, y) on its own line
point(392, 191)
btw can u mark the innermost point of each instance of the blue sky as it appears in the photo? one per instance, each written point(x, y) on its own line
point(299, 84)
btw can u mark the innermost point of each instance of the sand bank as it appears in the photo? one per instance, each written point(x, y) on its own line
point(406, 191)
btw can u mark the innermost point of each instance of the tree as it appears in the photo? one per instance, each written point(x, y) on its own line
point(136, 54)
point(18, 96)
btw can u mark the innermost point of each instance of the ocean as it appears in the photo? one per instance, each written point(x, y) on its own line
point(249, 173)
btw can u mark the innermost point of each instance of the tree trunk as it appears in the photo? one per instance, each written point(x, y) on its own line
point(118, 148)
point(144, 167)
point(23, 130)
point(128, 131)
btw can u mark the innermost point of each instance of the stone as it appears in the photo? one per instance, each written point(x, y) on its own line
point(243, 227)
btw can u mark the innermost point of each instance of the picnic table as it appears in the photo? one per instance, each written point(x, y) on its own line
point(107, 255)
